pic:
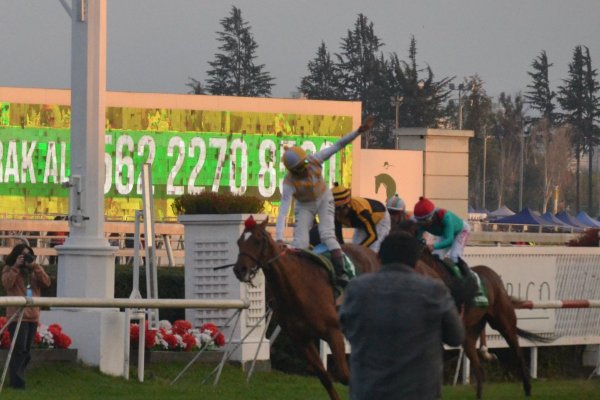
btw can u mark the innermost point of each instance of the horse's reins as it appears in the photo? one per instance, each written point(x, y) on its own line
point(257, 263)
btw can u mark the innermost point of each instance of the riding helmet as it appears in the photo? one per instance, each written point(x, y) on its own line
point(395, 203)
point(424, 209)
point(341, 195)
point(293, 157)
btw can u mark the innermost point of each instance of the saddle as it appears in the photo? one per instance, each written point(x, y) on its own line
point(322, 256)
point(468, 284)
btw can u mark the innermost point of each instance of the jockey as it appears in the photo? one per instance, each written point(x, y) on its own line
point(453, 233)
point(397, 210)
point(369, 218)
point(304, 182)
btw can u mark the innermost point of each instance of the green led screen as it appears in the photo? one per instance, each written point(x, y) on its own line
point(190, 151)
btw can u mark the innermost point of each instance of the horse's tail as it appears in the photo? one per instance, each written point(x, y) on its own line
point(534, 337)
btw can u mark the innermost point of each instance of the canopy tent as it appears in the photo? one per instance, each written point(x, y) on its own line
point(500, 213)
point(569, 219)
point(585, 219)
point(525, 217)
point(548, 216)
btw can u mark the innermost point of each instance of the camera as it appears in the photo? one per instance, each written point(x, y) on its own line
point(28, 258)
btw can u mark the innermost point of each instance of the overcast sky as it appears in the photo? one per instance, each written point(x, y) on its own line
point(155, 45)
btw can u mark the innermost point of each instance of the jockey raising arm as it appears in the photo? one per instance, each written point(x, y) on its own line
point(304, 182)
point(368, 217)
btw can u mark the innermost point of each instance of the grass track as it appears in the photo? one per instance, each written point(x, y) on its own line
point(76, 382)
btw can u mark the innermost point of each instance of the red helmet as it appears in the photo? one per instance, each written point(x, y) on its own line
point(424, 209)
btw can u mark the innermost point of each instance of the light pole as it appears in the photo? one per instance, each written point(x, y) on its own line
point(396, 102)
point(485, 139)
point(460, 89)
point(522, 137)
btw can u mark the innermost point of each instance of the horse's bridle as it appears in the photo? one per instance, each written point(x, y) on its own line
point(257, 263)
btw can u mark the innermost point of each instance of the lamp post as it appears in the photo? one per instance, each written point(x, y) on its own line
point(522, 137)
point(396, 102)
point(485, 139)
point(460, 89)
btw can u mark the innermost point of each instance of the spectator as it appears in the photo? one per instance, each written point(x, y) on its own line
point(396, 322)
point(22, 276)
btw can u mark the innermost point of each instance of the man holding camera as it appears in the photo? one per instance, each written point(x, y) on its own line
point(22, 276)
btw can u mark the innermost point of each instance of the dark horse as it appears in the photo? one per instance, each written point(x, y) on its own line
point(301, 294)
point(500, 315)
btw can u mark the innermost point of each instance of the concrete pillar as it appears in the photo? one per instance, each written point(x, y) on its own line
point(445, 165)
point(86, 260)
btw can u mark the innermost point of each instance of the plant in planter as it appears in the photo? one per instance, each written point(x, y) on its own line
point(212, 224)
point(217, 203)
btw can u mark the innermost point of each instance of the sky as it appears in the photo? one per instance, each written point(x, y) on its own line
point(156, 45)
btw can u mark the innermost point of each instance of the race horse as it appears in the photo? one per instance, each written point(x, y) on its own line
point(301, 294)
point(499, 314)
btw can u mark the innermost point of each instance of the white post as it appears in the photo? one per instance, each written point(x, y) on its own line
point(86, 260)
point(533, 362)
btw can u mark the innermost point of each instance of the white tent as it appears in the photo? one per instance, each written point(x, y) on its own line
point(500, 213)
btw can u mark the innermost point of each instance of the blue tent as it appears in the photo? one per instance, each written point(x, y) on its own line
point(585, 219)
point(525, 217)
point(551, 218)
point(567, 218)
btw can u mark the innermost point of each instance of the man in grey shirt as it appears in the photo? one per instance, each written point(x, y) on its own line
point(396, 321)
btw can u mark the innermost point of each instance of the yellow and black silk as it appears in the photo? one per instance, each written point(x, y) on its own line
point(363, 214)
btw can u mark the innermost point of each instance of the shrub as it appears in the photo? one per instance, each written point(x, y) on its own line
point(217, 203)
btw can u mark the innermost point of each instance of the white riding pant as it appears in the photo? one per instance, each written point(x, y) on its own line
point(305, 213)
point(458, 246)
point(382, 228)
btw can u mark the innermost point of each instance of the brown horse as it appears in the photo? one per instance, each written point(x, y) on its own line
point(500, 315)
point(301, 294)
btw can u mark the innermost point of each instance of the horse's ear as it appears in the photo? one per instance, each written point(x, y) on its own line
point(264, 223)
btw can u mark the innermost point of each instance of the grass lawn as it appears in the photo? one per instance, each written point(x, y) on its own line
point(55, 381)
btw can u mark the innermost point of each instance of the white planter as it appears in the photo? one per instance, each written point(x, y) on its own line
point(211, 241)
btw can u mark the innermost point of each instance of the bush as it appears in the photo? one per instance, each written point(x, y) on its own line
point(217, 203)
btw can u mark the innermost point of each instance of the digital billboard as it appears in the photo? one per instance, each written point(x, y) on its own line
point(191, 150)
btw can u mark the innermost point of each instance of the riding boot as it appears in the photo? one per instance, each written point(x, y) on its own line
point(480, 300)
point(452, 268)
point(337, 259)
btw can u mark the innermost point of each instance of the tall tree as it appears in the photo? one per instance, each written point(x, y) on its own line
point(507, 128)
point(362, 72)
point(423, 96)
point(578, 98)
point(590, 118)
point(234, 71)
point(552, 154)
point(323, 80)
point(478, 117)
point(540, 96)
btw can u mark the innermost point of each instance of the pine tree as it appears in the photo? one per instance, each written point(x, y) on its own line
point(323, 80)
point(233, 70)
point(577, 98)
point(423, 98)
point(540, 96)
point(362, 74)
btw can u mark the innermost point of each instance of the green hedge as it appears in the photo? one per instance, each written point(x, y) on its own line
point(170, 286)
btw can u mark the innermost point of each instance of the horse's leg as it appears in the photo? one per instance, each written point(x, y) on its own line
point(314, 360)
point(470, 347)
point(507, 326)
point(335, 340)
point(483, 350)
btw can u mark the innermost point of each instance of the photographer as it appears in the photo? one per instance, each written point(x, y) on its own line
point(22, 276)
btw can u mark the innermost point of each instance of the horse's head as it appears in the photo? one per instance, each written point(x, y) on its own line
point(253, 245)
